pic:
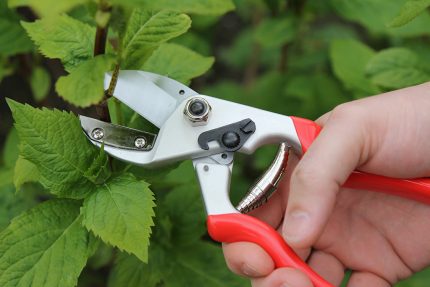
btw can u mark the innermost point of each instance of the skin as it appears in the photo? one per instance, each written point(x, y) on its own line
point(381, 238)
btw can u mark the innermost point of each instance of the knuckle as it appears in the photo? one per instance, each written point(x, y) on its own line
point(347, 111)
point(303, 175)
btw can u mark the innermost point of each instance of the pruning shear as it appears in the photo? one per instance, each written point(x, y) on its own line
point(209, 131)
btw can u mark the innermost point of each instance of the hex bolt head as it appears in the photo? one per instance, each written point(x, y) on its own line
point(197, 110)
point(98, 133)
point(140, 142)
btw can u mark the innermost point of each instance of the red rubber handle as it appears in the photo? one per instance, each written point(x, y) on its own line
point(236, 227)
point(417, 189)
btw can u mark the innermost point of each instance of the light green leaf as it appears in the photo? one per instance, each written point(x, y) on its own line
point(205, 7)
point(409, 11)
point(121, 212)
point(45, 246)
point(349, 59)
point(146, 31)
point(11, 149)
point(396, 68)
point(45, 8)
point(177, 62)
point(63, 37)
point(24, 172)
point(54, 142)
point(375, 14)
point(275, 32)
point(40, 83)
point(6, 176)
point(13, 39)
point(84, 86)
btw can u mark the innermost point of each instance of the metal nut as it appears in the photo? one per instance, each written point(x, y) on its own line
point(197, 110)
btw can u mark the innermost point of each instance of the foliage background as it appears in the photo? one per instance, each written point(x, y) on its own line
point(292, 57)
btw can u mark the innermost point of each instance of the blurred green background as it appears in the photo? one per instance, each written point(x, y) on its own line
point(292, 57)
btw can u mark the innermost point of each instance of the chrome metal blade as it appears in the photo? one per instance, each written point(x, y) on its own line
point(117, 136)
point(152, 96)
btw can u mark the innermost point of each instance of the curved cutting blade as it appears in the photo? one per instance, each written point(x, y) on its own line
point(152, 96)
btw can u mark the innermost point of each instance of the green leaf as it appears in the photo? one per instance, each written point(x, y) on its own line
point(24, 172)
point(45, 8)
point(63, 37)
point(177, 62)
point(275, 32)
point(6, 176)
point(205, 7)
point(40, 83)
point(409, 11)
point(54, 142)
point(201, 264)
point(397, 68)
point(12, 204)
point(84, 86)
point(45, 246)
point(121, 212)
point(375, 14)
point(13, 39)
point(131, 272)
point(351, 69)
point(146, 31)
point(11, 149)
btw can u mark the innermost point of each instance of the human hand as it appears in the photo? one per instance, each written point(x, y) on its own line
point(381, 238)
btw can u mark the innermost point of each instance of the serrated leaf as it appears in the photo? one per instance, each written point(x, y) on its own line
point(40, 83)
point(409, 11)
point(84, 86)
point(177, 62)
point(275, 32)
point(45, 246)
point(146, 31)
point(24, 172)
point(45, 8)
point(54, 142)
point(396, 68)
point(349, 59)
point(63, 37)
point(120, 212)
point(375, 14)
point(204, 7)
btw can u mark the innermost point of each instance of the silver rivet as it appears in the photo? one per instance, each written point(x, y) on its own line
point(140, 143)
point(98, 133)
point(206, 168)
point(181, 92)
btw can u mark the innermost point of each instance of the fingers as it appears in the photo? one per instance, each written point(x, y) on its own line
point(360, 279)
point(283, 277)
point(328, 266)
point(318, 176)
point(247, 259)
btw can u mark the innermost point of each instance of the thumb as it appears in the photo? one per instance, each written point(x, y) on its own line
point(317, 178)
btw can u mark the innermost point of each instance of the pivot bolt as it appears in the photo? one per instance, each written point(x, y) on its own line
point(98, 133)
point(230, 139)
point(197, 110)
point(140, 143)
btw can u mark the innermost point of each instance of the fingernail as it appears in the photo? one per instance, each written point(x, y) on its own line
point(249, 271)
point(296, 225)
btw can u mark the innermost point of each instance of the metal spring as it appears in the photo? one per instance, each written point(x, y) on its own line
point(261, 191)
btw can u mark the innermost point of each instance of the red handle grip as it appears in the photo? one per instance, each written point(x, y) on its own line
point(236, 227)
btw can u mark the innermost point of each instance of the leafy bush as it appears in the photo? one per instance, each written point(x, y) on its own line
point(71, 215)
